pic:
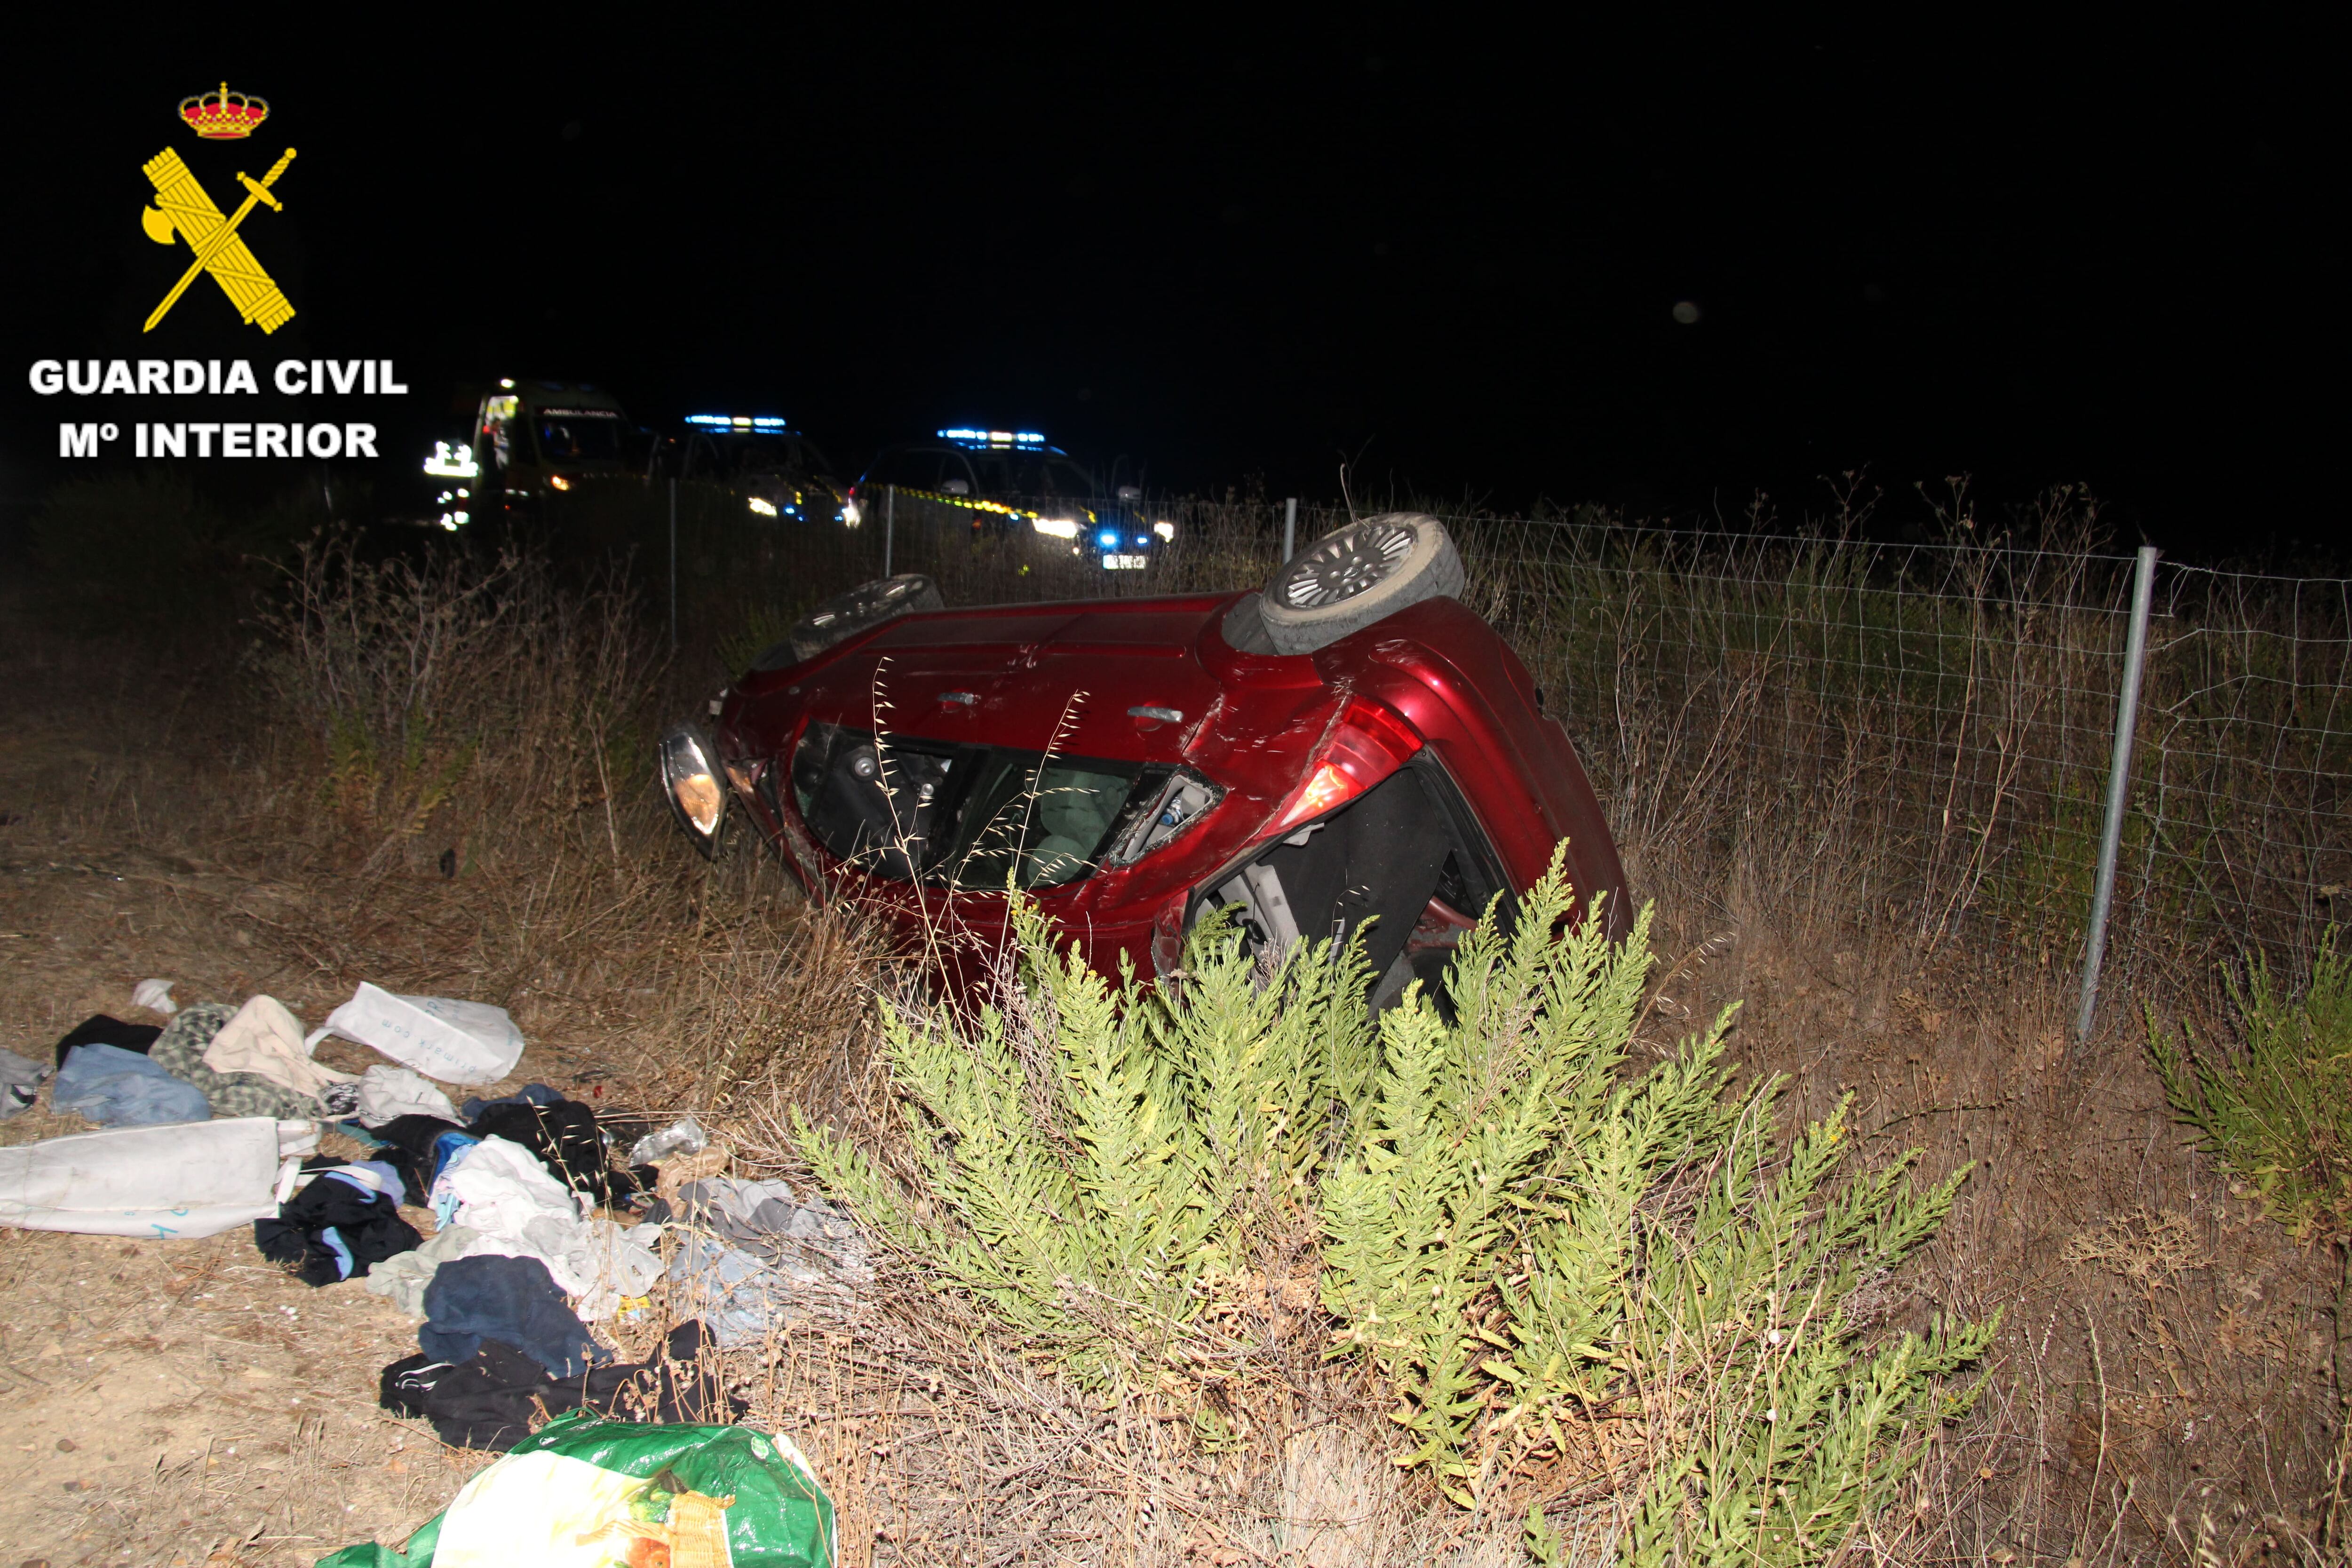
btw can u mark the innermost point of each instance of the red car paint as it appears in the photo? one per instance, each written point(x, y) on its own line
point(1063, 677)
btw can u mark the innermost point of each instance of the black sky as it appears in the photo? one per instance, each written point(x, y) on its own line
point(1447, 246)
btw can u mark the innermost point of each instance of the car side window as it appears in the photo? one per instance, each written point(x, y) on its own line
point(969, 816)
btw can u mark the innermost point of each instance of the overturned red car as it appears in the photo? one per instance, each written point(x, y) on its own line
point(1349, 749)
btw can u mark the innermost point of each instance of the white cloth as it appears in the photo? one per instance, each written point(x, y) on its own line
point(517, 1210)
point(387, 1091)
point(155, 996)
point(267, 1039)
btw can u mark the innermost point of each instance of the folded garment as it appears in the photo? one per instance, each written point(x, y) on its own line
point(180, 1050)
point(387, 1093)
point(490, 1399)
point(20, 1082)
point(116, 1087)
point(343, 1223)
point(98, 1029)
point(401, 1280)
point(510, 1299)
point(266, 1040)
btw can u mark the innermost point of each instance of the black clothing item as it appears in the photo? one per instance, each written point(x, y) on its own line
point(332, 1230)
point(97, 1029)
point(407, 1146)
point(564, 1138)
point(490, 1400)
point(511, 1299)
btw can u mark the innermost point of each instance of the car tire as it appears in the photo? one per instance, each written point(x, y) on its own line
point(846, 615)
point(1363, 573)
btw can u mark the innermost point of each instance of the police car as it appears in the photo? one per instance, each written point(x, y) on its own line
point(779, 472)
point(1013, 485)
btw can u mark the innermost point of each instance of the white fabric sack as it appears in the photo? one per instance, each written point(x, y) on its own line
point(177, 1179)
point(266, 1038)
point(456, 1042)
point(388, 1092)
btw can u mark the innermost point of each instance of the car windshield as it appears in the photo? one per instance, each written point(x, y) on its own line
point(1025, 476)
point(570, 436)
point(963, 816)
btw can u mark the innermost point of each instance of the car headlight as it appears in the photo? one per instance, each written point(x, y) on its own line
point(762, 507)
point(1059, 527)
point(690, 783)
point(1164, 530)
point(850, 513)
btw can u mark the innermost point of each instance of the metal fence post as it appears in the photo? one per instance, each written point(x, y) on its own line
point(1290, 527)
point(2118, 789)
point(673, 563)
point(889, 524)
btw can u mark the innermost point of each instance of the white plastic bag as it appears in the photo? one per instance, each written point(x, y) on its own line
point(179, 1179)
point(456, 1042)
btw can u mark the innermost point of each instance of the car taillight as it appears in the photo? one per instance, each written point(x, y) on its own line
point(1365, 746)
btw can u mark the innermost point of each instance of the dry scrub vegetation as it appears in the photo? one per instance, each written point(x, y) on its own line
point(431, 771)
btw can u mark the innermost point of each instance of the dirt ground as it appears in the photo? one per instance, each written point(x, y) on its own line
point(2161, 1390)
point(175, 1401)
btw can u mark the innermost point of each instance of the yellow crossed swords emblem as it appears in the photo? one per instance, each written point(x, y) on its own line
point(182, 207)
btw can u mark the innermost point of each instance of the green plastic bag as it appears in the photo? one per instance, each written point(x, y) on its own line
point(586, 1492)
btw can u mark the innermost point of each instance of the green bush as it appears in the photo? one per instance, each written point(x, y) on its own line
point(1558, 1267)
point(2278, 1113)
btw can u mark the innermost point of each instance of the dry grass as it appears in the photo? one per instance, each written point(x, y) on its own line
point(2163, 1390)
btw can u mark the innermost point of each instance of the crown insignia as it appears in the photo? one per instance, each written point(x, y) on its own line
point(224, 116)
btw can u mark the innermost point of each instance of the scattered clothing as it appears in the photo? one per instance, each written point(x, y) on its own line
point(266, 1040)
point(562, 1135)
point(98, 1029)
point(180, 1050)
point(387, 1091)
point(510, 1299)
point(189, 1180)
point(756, 1257)
point(20, 1082)
point(418, 1147)
point(811, 1242)
point(116, 1087)
point(529, 1094)
point(343, 1223)
point(401, 1280)
point(155, 996)
point(456, 1042)
point(500, 1191)
point(490, 1400)
point(737, 1295)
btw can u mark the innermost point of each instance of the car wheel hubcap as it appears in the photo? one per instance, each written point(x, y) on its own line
point(1341, 568)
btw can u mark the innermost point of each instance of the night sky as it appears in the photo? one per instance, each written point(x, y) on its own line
point(1443, 247)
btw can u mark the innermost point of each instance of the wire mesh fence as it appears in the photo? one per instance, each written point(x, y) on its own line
point(1914, 736)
